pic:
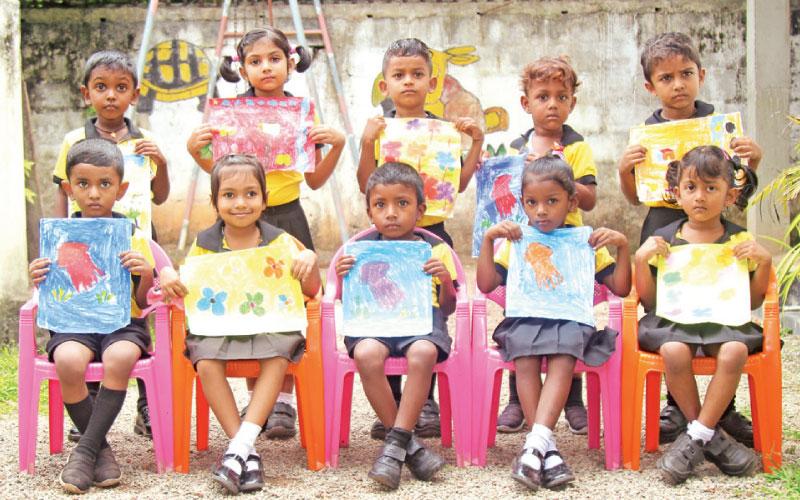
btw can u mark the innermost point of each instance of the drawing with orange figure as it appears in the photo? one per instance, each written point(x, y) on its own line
point(74, 258)
point(547, 275)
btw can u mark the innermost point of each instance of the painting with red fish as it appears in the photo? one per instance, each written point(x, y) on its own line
point(87, 290)
point(551, 275)
point(499, 184)
point(386, 293)
point(274, 130)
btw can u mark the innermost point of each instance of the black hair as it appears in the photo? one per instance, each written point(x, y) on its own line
point(665, 45)
point(550, 167)
point(242, 163)
point(98, 152)
point(276, 36)
point(408, 47)
point(396, 173)
point(711, 162)
point(112, 59)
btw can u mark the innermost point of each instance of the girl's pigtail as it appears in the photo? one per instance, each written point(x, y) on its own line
point(303, 59)
point(745, 180)
point(227, 71)
point(673, 178)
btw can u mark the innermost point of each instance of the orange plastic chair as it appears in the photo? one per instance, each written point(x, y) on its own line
point(308, 384)
point(640, 369)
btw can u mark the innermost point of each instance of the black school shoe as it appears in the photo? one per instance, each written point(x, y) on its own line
point(226, 476)
point(738, 427)
point(557, 476)
point(141, 425)
point(389, 464)
point(252, 480)
point(422, 462)
point(524, 474)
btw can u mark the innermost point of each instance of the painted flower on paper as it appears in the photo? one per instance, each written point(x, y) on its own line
point(391, 150)
point(213, 301)
point(285, 302)
point(274, 268)
point(252, 304)
point(434, 126)
point(414, 124)
point(416, 149)
point(444, 191)
point(445, 160)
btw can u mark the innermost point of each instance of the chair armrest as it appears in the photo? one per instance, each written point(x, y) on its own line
point(313, 332)
point(630, 323)
point(27, 326)
point(479, 315)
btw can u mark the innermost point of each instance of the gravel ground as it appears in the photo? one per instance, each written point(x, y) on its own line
point(286, 476)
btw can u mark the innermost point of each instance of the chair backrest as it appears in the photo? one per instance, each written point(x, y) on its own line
point(160, 256)
point(333, 286)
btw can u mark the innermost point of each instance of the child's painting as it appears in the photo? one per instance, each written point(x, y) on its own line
point(498, 195)
point(433, 148)
point(551, 275)
point(386, 293)
point(669, 141)
point(86, 290)
point(244, 292)
point(274, 130)
point(703, 283)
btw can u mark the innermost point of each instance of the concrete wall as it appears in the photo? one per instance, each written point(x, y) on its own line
point(13, 250)
point(602, 39)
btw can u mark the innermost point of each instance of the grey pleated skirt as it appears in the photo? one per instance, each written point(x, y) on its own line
point(655, 331)
point(521, 337)
point(289, 345)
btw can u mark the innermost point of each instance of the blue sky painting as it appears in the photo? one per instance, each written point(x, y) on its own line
point(551, 275)
point(86, 290)
point(386, 293)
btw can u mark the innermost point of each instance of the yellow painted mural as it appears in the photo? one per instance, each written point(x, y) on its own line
point(174, 70)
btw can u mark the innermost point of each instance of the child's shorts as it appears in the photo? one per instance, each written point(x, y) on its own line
point(135, 331)
point(399, 345)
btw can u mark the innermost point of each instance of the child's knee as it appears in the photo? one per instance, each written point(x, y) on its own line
point(422, 351)
point(71, 360)
point(122, 355)
point(732, 355)
point(207, 367)
point(370, 355)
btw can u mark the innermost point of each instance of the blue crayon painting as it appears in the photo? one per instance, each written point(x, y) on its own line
point(551, 275)
point(386, 293)
point(86, 290)
point(499, 187)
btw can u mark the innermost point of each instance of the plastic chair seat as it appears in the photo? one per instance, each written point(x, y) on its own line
point(642, 369)
point(155, 372)
point(602, 383)
point(454, 374)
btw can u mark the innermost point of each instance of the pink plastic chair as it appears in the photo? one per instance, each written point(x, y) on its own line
point(455, 393)
point(155, 371)
point(601, 382)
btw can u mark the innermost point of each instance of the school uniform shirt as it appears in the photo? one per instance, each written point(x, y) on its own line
point(663, 212)
point(212, 240)
point(577, 154)
point(127, 145)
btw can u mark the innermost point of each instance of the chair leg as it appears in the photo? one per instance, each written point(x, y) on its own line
point(28, 420)
point(157, 422)
point(593, 404)
point(55, 417)
point(612, 414)
point(652, 406)
point(495, 382)
point(201, 411)
point(337, 425)
point(445, 410)
point(632, 428)
point(769, 418)
point(182, 387)
point(346, 404)
point(754, 405)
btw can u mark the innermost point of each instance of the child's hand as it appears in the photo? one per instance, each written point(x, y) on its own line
point(38, 269)
point(200, 138)
point(437, 269)
point(303, 265)
point(505, 229)
point(373, 129)
point(654, 245)
point(633, 155)
point(752, 250)
point(603, 236)
point(150, 149)
point(344, 264)
point(171, 285)
point(322, 134)
point(470, 127)
point(135, 262)
point(747, 149)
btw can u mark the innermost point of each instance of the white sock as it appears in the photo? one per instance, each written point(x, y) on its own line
point(241, 444)
point(552, 460)
point(287, 398)
point(537, 439)
point(251, 464)
point(696, 430)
